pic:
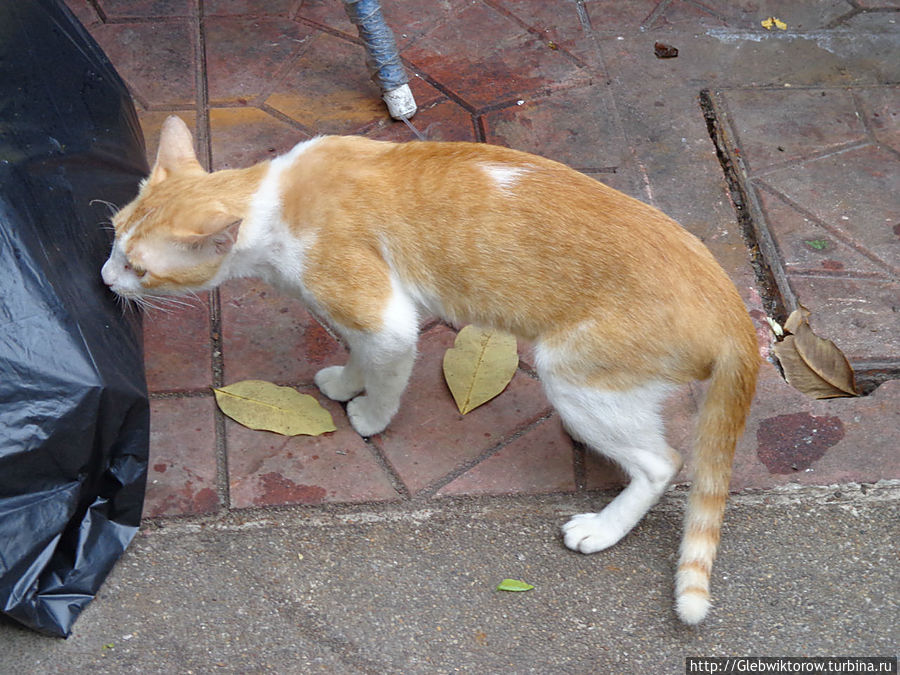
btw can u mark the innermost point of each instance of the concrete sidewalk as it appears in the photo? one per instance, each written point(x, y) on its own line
point(780, 149)
point(411, 590)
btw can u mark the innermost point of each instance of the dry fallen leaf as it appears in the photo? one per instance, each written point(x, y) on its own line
point(479, 366)
point(813, 365)
point(262, 405)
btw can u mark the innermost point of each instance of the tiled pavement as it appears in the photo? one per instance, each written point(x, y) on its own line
point(806, 122)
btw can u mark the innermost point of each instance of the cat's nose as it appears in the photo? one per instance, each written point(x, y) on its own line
point(109, 276)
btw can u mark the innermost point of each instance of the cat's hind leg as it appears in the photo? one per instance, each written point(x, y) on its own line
point(624, 426)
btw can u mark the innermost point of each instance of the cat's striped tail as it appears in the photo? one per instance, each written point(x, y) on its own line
point(721, 423)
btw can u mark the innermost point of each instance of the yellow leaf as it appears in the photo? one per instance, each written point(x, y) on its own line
point(479, 366)
point(781, 25)
point(771, 22)
point(263, 405)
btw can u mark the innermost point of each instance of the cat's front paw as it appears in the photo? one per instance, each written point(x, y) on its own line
point(590, 532)
point(365, 417)
point(335, 382)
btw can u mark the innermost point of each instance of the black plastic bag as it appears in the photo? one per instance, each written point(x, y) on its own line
point(74, 416)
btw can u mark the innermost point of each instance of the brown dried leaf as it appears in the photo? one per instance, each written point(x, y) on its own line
point(798, 316)
point(826, 360)
point(813, 365)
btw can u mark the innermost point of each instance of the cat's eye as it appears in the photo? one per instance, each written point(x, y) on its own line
point(137, 270)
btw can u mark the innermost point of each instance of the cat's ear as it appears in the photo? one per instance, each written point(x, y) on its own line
point(176, 150)
point(218, 231)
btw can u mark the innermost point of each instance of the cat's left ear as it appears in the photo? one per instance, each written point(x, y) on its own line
point(218, 231)
point(176, 150)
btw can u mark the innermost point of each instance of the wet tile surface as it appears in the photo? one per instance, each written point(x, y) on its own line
point(813, 119)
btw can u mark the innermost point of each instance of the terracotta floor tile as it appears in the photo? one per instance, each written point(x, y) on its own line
point(182, 469)
point(245, 54)
point(269, 336)
point(502, 61)
point(328, 90)
point(156, 59)
point(266, 469)
point(177, 352)
point(538, 462)
point(244, 136)
point(429, 438)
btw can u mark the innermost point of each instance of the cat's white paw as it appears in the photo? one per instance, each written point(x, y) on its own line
point(365, 417)
point(334, 383)
point(590, 532)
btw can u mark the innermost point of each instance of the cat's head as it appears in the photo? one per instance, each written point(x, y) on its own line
point(174, 237)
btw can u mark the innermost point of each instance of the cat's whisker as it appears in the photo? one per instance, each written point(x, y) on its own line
point(113, 209)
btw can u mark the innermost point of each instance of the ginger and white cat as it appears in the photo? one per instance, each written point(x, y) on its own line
point(621, 303)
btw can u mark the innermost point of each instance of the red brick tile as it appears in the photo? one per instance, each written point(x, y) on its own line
point(328, 90)
point(850, 191)
point(791, 438)
point(882, 111)
point(538, 462)
point(807, 247)
point(151, 125)
point(243, 136)
point(84, 11)
point(327, 13)
point(182, 468)
point(269, 336)
point(282, 8)
point(429, 438)
point(502, 61)
point(442, 121)
point(775, 127)
point(177, 354)
point(156, 59)
point(559, 25)
point(121, 9)
point(571, 126)
point(858, 315)
point(266, 469)
point(244, 55)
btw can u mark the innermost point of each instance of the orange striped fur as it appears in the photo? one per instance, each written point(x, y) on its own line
point(620, 301)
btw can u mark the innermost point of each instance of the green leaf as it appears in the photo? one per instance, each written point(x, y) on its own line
point(514, 585)
point(262, 405)
point(479, 366)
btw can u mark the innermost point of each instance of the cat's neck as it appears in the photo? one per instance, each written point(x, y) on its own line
point(235, 188)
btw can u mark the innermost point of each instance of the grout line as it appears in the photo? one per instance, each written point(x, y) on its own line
point(433, 488)
point(771, 277)
point(217, 362)
point(388, 468)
